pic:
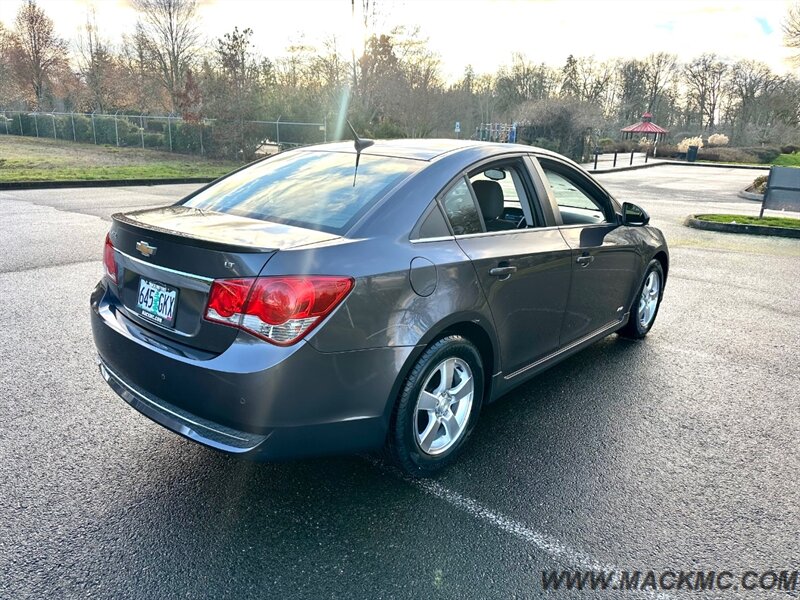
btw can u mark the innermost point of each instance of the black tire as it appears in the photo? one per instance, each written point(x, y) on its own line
point(403, 446)
point(634, 329)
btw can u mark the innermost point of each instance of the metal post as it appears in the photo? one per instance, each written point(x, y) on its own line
point(202, 148)
point(36, 123)
point(325, 128)
point(20, 123)
point(94, 131)
point(74, 137)
point(169, 129)
point(141, 130)
point(54, 125)
point(595, 159)
point(646, 154)
point(116, 127)
point(6, 120)
point(278, 130)
point(632, 151)
point(615, 159)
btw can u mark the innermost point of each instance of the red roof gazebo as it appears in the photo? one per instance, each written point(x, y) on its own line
point(645, 128)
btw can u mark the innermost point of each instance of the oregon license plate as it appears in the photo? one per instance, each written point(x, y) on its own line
point(157, 302)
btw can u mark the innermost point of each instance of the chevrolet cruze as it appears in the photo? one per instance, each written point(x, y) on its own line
point(348, 297)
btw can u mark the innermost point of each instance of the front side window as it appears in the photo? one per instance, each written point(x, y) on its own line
point(314, 190)
point(576, 206)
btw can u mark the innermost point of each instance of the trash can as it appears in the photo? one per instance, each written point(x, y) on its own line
point(691, 154)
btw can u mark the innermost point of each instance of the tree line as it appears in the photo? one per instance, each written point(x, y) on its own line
point(392, 87)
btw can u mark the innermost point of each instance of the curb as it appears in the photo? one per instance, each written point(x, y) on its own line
point(716, 165)
point(750, 196)
point(625, 168)
point(51, 185)
point(660, 161)
point(693, 221)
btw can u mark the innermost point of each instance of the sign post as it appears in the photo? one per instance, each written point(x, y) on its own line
point(458, 129)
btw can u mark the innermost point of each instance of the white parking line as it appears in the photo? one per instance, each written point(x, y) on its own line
point(544, 542)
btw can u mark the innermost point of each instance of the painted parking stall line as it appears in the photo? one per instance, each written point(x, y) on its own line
point(518, 529)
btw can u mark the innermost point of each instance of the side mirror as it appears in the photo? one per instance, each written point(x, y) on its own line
point(634, 216)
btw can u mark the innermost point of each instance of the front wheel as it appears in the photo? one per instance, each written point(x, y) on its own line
point(438, 407)
point(646, 303)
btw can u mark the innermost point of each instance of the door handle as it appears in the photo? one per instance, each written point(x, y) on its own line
point(502, 272)
point(584, 261)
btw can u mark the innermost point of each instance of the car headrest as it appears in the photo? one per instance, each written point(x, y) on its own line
point(490, 198)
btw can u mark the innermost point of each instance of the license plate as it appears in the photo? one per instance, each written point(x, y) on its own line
point(157, 302)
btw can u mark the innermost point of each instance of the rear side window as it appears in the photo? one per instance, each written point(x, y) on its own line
point(460, 209)
point(314, 190)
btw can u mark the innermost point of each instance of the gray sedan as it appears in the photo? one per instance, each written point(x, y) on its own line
point(343, 298)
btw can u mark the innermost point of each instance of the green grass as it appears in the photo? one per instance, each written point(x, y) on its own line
point(783, 160)
point(31, 159)
point(749, 220)
point(788, 160)
point(153, 171)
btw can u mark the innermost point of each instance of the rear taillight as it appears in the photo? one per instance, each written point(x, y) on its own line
point(280, 310)
point(109, 261)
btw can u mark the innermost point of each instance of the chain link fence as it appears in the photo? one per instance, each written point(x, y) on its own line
point(213, 137)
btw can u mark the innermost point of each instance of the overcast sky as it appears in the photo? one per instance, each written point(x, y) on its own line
point(483, 33)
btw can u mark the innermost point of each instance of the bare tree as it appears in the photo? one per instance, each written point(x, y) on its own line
point(141, 85)
point(705, 77)
point(791, 29)
point(98, 66)
point(36, 51)
point(169, 28)
point(659, 69)
point(6, 91)
point(748, 82)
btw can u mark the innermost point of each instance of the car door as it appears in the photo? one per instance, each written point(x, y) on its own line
point(523, 268)
point(604, 253)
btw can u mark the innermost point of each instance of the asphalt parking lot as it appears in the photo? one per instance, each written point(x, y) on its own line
point(679, 452)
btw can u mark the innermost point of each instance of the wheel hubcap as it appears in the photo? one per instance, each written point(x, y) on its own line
point(444, 406)
point(648, 302)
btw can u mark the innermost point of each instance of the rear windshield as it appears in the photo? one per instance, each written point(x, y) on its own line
point(307, 189)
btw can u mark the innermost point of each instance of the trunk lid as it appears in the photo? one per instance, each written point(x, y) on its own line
point(169, 257)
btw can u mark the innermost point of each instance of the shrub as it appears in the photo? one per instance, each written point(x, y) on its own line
point(760, 184)
point(666, 151)
point(609, 146)
point(718, 139)
point(730, 155)
point(154, 140)
point(106, 130)
point(186, 138)
point(764, 155)
point(704, 154)
point(789, 149)
point(684, 144)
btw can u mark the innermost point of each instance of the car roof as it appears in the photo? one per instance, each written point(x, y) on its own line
point(421, 149)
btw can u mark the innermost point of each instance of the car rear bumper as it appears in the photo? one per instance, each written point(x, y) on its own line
point(254, 399)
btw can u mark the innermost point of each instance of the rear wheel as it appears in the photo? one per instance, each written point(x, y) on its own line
point(438, 407)
point(645, 306)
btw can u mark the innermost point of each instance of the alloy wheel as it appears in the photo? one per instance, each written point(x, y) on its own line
point(444, 406)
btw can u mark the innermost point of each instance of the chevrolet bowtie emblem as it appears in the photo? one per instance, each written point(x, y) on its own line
point(145, 249)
